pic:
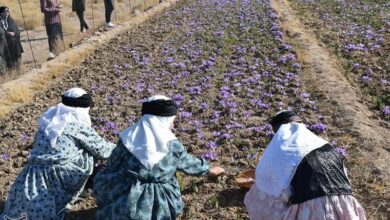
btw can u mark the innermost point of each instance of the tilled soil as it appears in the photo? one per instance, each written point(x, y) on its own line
point(225, 63)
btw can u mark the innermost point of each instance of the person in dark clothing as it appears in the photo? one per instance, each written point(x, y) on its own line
point(109, 6)
point(12, 35)
point(78, 6)
point(3, 52)
point(51, 9)
point(300, 176)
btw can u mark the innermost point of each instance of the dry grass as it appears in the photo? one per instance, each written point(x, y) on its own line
point(15, 95)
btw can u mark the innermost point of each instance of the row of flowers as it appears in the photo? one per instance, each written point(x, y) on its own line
point(227, 67)
point(358, 32)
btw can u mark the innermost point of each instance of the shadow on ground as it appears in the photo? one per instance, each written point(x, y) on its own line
point(88, 214)
point(231, 198)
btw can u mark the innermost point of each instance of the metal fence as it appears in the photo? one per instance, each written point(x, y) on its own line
point(33, 37)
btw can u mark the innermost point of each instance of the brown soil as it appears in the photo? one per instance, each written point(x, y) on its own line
point(207, 197)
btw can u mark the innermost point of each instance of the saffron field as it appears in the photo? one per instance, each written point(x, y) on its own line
point(227, 65)
point(358, 32)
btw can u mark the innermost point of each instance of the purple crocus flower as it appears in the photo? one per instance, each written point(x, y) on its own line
point(216, 115)
point(318, 128)
point(23, 139)
point(211, 144)
point(286, 58)
point(365, 79)
point(4, 156)
point(342, 151)
point(178, 98)
point(216, 133)
point(204, 106)
point(185, 114)
point(195, 90)
point(305, 95)
point(210, 155)
point(125, 85)
point(355, 47)
point(110, 125)
point(384, 81)
point(386, 110)
point(227, 136)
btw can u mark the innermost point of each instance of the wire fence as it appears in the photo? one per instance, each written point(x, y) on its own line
point(26, 25)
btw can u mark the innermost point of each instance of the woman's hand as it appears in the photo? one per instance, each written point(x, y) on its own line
point(11, 33)
point(216, 171)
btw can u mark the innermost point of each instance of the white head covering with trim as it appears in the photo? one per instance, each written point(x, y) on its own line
point(277, 166)
point(54, 120)
point(148, 139)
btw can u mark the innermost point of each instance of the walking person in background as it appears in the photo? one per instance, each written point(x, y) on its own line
point(12, 36)
point(300, 176)
point(51, 9)
point(60, 162)
point(109, 6)
point(78, 6)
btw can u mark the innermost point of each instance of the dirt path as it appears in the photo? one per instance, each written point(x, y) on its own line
point(326, 76)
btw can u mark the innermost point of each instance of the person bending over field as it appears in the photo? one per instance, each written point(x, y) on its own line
point(300, 176)
point(60, 162)
point(139, 181)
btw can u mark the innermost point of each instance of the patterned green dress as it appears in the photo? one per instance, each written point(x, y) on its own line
point(127, 190)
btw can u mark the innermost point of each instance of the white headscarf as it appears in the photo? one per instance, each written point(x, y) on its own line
point(148, 139)
point(291, 143)
point(54, 120)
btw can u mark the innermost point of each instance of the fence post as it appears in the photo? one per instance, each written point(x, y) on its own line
point(93, 17)
point(28, 36)
point(115, 10)
point(130, 8)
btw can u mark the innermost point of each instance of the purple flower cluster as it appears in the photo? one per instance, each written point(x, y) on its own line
point(318, 127)
point(386, 110)
point(225, 81)
point(4, 156)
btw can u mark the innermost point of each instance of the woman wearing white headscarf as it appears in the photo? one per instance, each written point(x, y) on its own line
point(300, 176)
point(139, 181)
point(60, 162)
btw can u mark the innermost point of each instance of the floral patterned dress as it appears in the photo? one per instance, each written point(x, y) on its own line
point(127, 190)
point(54, 177)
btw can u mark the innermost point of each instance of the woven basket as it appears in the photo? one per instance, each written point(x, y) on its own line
point(246, 179)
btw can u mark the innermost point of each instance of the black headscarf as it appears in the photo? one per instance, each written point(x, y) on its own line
point(160, 107)
point(3, 17)
point(3, 9)
point(283, 118)
point(83, 101)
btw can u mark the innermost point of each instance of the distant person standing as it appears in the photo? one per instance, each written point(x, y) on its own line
point(109, 5)
point(51, 9)
point(3, 52)
point(78, 6)
point(12, 36)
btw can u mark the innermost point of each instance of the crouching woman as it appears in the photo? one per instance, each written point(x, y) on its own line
point(139, 181)
point(300, 176)
point(60, 162)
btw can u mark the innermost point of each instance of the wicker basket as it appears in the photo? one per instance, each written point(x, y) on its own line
point(246, 179)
